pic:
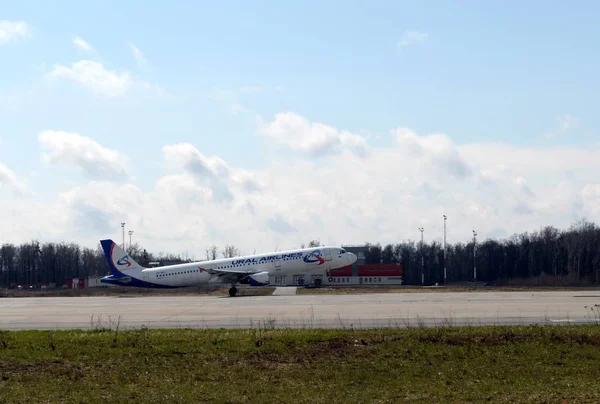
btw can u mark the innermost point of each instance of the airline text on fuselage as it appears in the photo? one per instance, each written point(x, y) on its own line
point(247, 261)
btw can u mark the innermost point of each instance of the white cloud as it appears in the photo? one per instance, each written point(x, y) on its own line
point(25, 219)
point(435, 151)
point(7, 177)
point(8, 180)
point(410, 38)
point(93, 159)
point(99, 204)
point(591, 201)
point(522, 185)
point(565, 125)
point(96, 77)
point(381, 196)
point(311, 138)
point(12, 30)
point(82, 45)
point(139, 56)
point(211, 174)
point(102, 80)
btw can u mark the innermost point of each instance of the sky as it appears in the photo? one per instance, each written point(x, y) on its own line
point(269, 124)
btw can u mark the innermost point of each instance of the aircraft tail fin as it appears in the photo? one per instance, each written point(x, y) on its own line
point(118, 260)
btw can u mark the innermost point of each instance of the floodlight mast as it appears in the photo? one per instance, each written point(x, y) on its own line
point(474, 258)
point(445, 259)
point(422, 259)
point(130, 234)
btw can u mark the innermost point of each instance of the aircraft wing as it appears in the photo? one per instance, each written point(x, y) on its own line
point(232, 271)
point(231, 274)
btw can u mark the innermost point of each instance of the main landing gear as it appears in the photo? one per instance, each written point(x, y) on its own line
point(232, 291)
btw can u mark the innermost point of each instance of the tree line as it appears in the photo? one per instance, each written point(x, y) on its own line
point(550, 256)
point(555, 256)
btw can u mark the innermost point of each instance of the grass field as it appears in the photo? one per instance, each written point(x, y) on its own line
point(450, 365)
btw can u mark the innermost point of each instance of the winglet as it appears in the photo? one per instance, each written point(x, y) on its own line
point(118, 260)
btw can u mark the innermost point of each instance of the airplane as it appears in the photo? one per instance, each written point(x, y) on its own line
point(249, 269)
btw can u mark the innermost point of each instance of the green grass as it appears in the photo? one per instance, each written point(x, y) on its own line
point(450, 365)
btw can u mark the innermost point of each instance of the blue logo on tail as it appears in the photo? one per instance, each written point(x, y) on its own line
point(124, 261)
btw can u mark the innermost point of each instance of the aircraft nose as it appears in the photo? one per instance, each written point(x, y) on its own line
point(352, 258)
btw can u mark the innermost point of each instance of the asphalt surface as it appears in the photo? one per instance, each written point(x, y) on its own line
point(329, 311)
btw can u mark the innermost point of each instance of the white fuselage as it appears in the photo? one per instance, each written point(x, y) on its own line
point(298, 262)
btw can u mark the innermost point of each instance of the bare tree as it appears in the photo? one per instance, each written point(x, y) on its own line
point(212, 253)
point(387, 255)
point(314, 243)
point(230, 251)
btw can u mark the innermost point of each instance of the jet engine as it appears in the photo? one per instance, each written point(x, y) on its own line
point(259, 279)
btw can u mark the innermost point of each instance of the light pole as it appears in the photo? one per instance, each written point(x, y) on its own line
point(474, 258)
point(422, 259)
point(130, 233)
point(123, 228)
point(445, 261)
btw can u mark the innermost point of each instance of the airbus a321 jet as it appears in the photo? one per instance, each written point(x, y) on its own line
point(251, 269)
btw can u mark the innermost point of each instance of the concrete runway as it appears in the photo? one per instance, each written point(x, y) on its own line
point(329, 311)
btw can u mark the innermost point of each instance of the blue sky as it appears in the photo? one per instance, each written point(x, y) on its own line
point(487, 73)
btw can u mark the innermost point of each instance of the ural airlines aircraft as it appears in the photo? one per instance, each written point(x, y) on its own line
point(251, 269)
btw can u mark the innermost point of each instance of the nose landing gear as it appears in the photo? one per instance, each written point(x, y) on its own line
point(232, 291)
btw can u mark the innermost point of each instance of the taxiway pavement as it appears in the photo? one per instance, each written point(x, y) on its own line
point(328, 311)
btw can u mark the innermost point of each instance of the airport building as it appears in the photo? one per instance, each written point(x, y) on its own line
point(92, 281)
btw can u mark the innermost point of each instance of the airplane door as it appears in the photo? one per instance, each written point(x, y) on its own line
point(277, 265)
point(327, 254)
point(145, 276)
